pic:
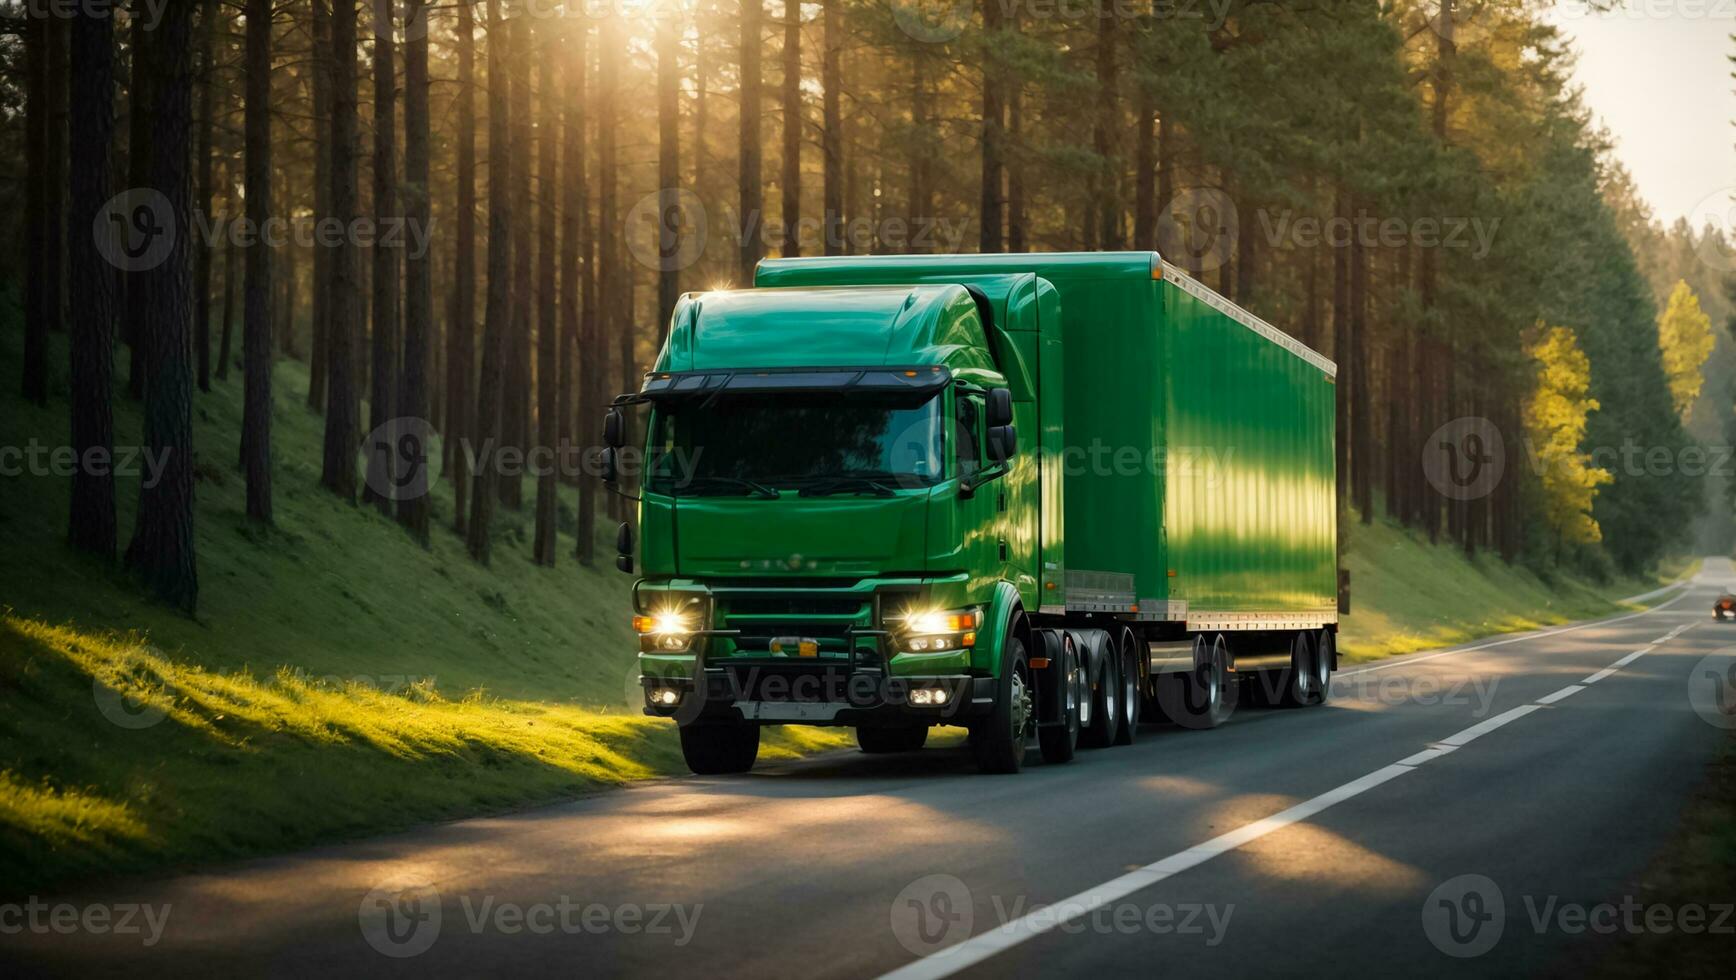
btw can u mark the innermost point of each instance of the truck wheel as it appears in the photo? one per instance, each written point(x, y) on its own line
point(1060, 742)
point(1203, 697)
point(998, 741)
point(1105, 705)
point(1325, 660)
point(1296, 683)
point(720, 749)
point(1130, 694)
point(884, 741)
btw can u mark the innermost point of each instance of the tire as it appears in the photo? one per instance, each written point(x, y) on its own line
point(998, 742)
point(1106, 707)
point(885, 741)
point(1130, 693)
point(1296, 685)
point(1060, 743)
point(720, 749)
point(1204, 697)
point(1325, 662)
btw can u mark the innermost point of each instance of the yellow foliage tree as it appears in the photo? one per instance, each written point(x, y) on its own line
point(1555, 418)
point(1685, 337)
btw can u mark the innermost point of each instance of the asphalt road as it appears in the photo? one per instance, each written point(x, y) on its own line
point(1447, 813)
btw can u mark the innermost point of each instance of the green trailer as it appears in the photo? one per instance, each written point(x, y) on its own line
point(1032, 495)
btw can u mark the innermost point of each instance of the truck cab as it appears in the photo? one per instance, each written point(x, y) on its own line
point(833, 523)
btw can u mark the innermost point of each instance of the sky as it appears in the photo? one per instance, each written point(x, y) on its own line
point(1655, 73)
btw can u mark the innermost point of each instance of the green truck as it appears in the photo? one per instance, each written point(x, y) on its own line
point(1030, 495)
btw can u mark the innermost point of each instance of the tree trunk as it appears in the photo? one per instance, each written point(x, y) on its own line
point(751, 192)
point(256, 349)
point(461, 331)
point(832, 137)
point(383, 389)
point(1103, 137)
point(320, 64)
point(920, 206)
point(226, 341)
point(140, 131)
point(548, 368)
point(209, 10)
point(994, 122)
point(517, 386)
point(1145, 175)
point(572, 207)
point(1017, 241)
point(1362, 446)
point(161, 552)
point(36, 249)
point(590, 345)
point(338, 464)
point(669, 211)
point(792, 71)
point(1343, 350)
point(499, 307)
point(412, 458)
point(91, 525)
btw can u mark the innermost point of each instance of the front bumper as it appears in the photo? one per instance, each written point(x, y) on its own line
point(788, 694)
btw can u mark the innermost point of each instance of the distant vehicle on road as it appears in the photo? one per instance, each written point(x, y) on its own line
point(1026, 494)
point(1725, 607)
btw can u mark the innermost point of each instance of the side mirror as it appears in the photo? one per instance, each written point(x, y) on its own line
point(611, 468)
point(1003, 443)
point(624, 545)
point(615, 429)
point(999, 407)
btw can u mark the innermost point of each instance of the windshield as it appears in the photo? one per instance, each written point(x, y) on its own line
point(756, 444)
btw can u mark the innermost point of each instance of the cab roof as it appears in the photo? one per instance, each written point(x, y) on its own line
point(855, 326)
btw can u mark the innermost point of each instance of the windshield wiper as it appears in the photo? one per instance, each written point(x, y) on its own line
point(713, 481)
point(828, 485)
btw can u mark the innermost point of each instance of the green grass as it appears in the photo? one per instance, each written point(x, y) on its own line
point(1409, 595)
point(339, 680)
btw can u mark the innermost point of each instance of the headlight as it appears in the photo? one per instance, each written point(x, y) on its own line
point(665, 630)
point(663, 623)
point(934, 631)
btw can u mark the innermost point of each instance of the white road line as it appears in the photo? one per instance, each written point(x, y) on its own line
point(1485, 727)
point(1427, 755)
point(983, 946)
point(1600, 675)
point(1511, 639)
point(1630, 658)
point(1561, 695)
